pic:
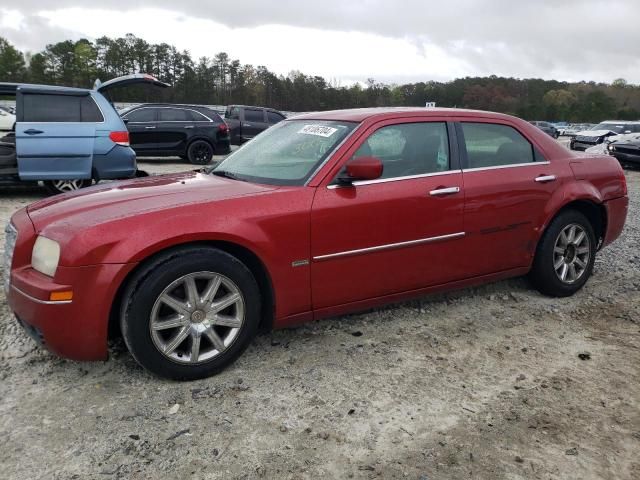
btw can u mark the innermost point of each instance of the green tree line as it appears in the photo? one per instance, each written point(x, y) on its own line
point(220, 80)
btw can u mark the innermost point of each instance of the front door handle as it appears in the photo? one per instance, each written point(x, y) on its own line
point(189, 126)
point(149, 128)
point(32, 131)
point(444, 191)
point(545, 178)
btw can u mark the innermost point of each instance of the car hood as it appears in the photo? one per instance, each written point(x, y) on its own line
point(595, 133)
point(111, 201)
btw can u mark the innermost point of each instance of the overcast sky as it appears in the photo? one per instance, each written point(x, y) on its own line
point(352, 40)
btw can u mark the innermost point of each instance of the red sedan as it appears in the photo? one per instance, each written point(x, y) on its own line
point(323, 214)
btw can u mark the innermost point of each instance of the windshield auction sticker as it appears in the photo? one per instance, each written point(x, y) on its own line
point(319, 130)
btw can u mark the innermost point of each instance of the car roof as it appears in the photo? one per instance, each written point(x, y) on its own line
point(255, 106)
point(171, 105)
point(8, 88)
point(362, 114)
point(623, 122)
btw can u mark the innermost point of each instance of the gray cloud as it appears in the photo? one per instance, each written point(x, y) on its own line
point(572, 38)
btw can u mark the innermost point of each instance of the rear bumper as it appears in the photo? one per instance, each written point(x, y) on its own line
point(617, 210)
point(119, 163)
point(75, 329)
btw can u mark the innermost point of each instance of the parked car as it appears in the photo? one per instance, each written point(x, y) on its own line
point(247, 122)
point(192, 132)
point(67, 137)
point(626, 148)
point(598, 133)
point(546, 127)
point(323, 214)
point(573, 129)
point(7, 120)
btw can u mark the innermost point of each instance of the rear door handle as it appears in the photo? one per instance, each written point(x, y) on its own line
point(32, 131)
point(545, 178)
point(248, 125)
point(149, 128)
point(189, 126)
point(444, 191)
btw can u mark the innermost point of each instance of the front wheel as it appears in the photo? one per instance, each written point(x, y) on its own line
point(62, 186)
point(565, 255)
point(190, 313)
point(200, 152)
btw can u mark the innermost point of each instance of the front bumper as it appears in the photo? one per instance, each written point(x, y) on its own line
point(626, 158)
point(75, 329)
point(582, 146)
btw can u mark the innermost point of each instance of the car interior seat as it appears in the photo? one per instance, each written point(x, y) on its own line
point(510, 153)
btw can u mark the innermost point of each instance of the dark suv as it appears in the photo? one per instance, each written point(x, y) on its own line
point(191, 132)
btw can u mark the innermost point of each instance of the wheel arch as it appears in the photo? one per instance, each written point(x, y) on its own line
point(249, 258)
point(594, 210)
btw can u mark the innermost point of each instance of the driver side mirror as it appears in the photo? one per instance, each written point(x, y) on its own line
point(362, 168)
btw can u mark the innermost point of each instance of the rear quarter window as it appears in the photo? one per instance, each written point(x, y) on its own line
point(60, 108)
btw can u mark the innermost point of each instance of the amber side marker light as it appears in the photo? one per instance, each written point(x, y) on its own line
point(61, 296)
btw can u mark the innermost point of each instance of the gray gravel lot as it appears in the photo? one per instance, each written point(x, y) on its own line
point(491, 382)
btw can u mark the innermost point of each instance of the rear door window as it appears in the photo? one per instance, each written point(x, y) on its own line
point(48, 108)
point(174, 115)
point(142, 115)
point(251, 115)
point(494, 145)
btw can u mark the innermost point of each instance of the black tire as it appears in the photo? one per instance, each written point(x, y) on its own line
point(200, 152)
point(543, 275)
point(144, 290)
point(63, 186)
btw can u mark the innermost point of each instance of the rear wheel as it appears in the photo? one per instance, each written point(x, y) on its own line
point(565, 256)
point(62, 186)
point(190, 313)
point(200, 152)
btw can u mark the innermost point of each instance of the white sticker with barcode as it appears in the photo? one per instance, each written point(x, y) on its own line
point(319, 130)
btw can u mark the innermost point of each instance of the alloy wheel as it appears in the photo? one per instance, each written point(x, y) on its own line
point(197, 317)
point(571, 253)
point(67, 185)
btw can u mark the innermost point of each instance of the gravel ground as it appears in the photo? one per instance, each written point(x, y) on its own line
point(492, 382)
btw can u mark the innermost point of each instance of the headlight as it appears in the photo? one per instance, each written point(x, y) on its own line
point(45, 256)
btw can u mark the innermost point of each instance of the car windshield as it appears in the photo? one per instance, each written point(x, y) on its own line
point(285, 154)
point(610, 126)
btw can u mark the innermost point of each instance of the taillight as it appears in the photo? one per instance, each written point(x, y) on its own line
point(120, 138)
point(224, 128)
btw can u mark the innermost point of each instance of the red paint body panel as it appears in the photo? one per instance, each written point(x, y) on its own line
point(486, 231)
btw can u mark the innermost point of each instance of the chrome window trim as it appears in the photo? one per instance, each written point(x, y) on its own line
point(389, 246)
point(496, 167)
point(333, 152)
point(360, 183)
point(208, 120)
point(37, 300)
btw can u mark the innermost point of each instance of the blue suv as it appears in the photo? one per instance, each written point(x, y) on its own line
point(67, 137)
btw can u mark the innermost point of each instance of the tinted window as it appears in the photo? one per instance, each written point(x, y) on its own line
point(273, 117)
point(142, 115)
point(199, 117)
point(492, 145)
point(60, 108)
point(253, 115)
point(174, 115)
point(233, 113)
point(409, 149)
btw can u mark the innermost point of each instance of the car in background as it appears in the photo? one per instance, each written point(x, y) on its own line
point(546, 127)
point(626, 149)
point(67, 137)
point(573, 129)
point(246, 122)
point(192, 132)
point(323, 214)
point(7, 120)
point(597, 134)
